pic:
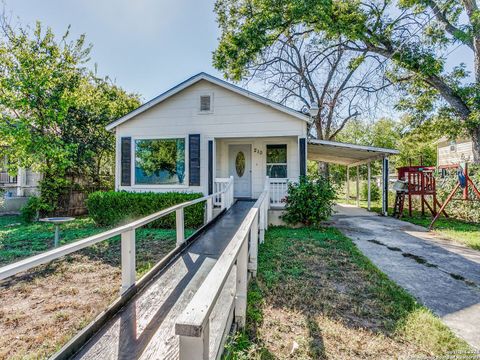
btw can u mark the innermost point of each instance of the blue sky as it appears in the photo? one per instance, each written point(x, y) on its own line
point(147, 46)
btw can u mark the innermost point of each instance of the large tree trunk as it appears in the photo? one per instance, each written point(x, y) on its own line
point(323, 169)
point(475, 133)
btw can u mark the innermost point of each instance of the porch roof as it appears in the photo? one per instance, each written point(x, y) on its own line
point(344, 153)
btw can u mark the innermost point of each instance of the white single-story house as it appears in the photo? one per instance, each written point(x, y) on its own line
point(451, 152)
point(205, 130)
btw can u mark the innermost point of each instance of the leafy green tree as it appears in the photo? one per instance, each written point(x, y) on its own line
point(53, 110)
point(416, 145)
point(415, 36)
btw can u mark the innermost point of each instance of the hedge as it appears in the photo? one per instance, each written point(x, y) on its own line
point(110, 208)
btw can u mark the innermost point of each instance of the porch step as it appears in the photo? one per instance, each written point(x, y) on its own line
point(144, 328)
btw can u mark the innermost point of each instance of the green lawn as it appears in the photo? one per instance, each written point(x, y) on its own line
point(457, 230)
point(19, 240)
point(317, 297)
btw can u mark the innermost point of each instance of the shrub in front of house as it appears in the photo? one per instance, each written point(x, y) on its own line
point(309, 202)
point(110, 208)
point(34, 208)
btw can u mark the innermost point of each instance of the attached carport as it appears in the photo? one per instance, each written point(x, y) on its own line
point(352, 156)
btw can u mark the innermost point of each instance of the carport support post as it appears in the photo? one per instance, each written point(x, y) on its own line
point(369, 185)
point(385, 186)
point(347, 185)
point(358, 186)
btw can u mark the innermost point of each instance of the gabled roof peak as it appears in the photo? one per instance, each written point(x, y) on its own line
point(205, 76)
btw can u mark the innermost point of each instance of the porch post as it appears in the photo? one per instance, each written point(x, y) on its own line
point(21, 181)
point(385, 186)
point(369, 185)
point(302, 148)
point(347, 185)
point(358, 186)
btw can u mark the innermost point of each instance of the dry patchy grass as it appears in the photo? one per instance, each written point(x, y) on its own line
point(42, 309)
point(318, 297)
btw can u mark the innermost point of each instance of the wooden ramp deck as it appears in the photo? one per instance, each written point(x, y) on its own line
point(145, 327)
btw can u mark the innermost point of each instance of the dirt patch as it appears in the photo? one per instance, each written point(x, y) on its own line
point(332, 313)
point(393, 248)
point(419, 259)
point(42, 309)
point(290, 334)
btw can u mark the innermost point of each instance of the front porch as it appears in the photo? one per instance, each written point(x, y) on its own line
point(277, 190)
point(251, 162)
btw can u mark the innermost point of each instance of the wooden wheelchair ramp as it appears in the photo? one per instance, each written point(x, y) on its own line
point(145, 327)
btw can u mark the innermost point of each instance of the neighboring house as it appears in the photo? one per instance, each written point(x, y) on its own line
point(16, 189)
point(23, 184)
point(450, 152)
point(198, 134)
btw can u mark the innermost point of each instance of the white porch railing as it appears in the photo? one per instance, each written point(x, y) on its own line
point(279, 190)
point(223, 185)
point(127, 233)
point(5, 178)
point(238, 258)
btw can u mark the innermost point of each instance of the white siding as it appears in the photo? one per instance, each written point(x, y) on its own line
point(463, 152)
point(232, 116)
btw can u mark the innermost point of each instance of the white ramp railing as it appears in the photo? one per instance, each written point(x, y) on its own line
point(223, 185)
point(127, 233)
point(238, 258)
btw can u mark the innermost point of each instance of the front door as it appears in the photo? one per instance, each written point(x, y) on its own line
point(240, 166)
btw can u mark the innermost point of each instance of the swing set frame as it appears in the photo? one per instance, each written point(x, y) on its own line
point(463, 169)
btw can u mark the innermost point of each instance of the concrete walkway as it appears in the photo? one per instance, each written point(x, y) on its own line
point(442, 275)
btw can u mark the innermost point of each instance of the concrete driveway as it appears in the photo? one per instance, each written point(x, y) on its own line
point(442, 275)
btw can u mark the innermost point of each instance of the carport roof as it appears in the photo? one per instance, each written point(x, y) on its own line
point(344, 153)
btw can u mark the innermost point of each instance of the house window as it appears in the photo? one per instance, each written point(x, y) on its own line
point(277, 161)
point(205, 103)
point(160, 161)
point(453, 145)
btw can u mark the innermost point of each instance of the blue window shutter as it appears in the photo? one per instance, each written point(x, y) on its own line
point(126, 161)
point(194, 159)
point(210, 167)
point(302, 147)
